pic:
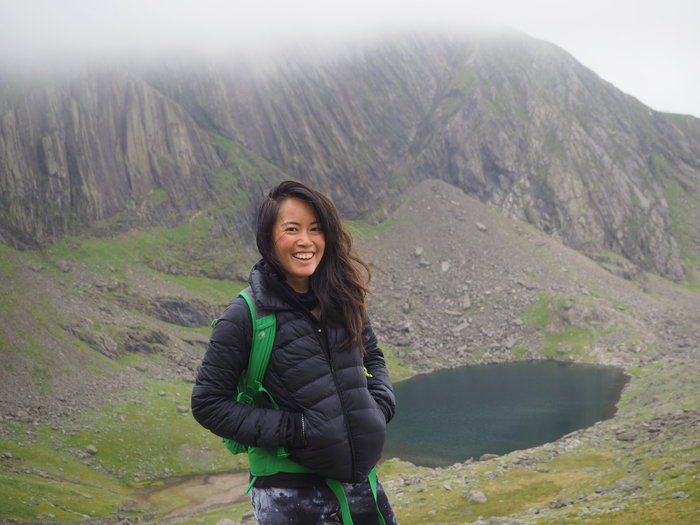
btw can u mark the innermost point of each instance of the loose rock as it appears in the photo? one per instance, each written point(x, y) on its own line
point(226, 521)
point(476, 497)
point(466, 302)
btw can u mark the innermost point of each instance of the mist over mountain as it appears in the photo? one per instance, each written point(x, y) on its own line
point(514, 121)
point(128, 199)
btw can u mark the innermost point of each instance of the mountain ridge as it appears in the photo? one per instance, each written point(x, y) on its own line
point(515, 121)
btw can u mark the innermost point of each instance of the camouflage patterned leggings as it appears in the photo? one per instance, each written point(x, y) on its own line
point(318, 506)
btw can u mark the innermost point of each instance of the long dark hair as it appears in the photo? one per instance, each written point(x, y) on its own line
point(338, 282)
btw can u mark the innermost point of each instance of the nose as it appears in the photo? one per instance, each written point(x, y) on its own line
point(304, 238)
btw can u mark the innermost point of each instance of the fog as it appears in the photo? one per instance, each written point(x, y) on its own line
point(646, 48)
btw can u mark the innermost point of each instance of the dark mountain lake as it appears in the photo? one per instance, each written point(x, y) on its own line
point(451, 415)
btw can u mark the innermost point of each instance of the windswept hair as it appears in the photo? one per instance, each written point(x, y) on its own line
point(338, 282)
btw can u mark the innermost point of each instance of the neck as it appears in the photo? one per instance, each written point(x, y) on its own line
point(298, 284)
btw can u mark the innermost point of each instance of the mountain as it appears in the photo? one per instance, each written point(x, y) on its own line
point(514, 121)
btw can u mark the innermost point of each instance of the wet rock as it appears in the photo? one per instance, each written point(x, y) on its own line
point(191, 314)
point(139, 339)
point(104, 344)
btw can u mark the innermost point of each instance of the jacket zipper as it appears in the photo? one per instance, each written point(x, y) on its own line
point(324, 346)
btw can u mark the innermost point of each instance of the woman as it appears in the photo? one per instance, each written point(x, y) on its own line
point(326, 372)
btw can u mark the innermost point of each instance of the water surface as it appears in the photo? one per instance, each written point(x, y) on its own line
point(451, 415)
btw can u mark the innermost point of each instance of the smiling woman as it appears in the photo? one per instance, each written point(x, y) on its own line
point(326, 396)
point(299, 242)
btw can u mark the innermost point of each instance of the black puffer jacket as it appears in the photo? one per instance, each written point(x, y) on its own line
point(345, 412)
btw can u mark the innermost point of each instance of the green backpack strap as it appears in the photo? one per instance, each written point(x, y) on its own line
point(264, 323)
point(264, 326)
point(337, 489)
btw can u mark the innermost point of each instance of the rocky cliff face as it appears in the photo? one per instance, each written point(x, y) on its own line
point(83, 150)
point(515, 121)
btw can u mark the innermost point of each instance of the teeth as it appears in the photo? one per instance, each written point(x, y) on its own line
point(304, 256)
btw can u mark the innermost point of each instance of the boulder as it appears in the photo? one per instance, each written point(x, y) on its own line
point(476, 497)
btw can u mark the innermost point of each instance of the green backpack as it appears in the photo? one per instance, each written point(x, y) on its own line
point(266, 462)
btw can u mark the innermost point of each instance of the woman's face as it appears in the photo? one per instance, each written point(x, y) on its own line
point(299, 242)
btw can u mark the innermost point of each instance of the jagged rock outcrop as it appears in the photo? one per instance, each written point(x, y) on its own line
point(513, 120)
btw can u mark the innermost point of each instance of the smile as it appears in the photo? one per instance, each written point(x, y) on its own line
point(303, 256)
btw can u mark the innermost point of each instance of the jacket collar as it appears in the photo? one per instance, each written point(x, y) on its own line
point(267, 288)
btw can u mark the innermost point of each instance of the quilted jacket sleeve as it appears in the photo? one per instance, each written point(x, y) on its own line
point(379, 384)
point(212, 403)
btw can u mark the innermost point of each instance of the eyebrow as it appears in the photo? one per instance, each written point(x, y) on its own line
point(297, 223)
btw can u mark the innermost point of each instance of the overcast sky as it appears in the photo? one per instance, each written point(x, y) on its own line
point(648, 49)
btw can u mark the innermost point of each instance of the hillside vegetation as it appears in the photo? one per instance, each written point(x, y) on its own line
point(99, 346)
